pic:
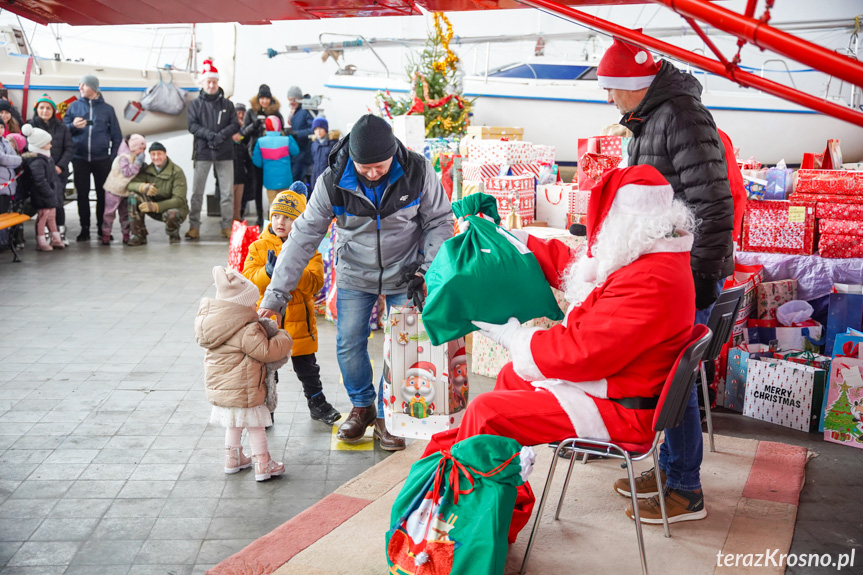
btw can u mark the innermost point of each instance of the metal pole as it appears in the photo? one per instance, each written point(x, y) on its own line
point(734, 74)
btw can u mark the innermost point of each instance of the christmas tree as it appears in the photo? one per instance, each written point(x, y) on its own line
point(435, 90)
point(839, 417)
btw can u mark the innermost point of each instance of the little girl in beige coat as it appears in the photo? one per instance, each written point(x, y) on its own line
point(238, 350)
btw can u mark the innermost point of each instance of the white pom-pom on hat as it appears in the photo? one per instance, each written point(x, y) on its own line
point(641, 57)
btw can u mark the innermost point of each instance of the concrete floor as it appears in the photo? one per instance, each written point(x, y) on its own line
point(108, 465)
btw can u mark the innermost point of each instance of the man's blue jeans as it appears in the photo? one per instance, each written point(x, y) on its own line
point(354, 311)
point(681, 454)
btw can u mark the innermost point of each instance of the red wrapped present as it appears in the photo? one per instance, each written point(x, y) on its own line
point(509, 183)
point(840, 246)
point(578, 200)
point(476, 172)
point(242, 236)
point(830, 182)
point(611, 146)
point(525, 209)
point(829, 210)
point(531, 169)
point(779, 227)
point(594, 165)
point(841, 227)
point(856, 200)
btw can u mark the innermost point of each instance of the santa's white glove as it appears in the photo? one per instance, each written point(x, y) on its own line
point(504, 334)
point(520, 235)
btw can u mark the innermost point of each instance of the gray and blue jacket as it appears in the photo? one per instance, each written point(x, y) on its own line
point(379, 231)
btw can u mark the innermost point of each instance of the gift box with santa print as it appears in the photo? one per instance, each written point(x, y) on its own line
point(503, 188)
point(785, 393)
point(425, 386)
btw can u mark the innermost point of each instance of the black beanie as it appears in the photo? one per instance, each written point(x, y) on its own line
point(372, 140)
point(264, 92)
point(157, 147)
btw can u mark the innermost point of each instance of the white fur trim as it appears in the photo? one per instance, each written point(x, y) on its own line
point(579, 406)
point(522, 357)
point(625, 82)
point(637, 199)
point(526, 458)
point(520, 235)
point(682, 243)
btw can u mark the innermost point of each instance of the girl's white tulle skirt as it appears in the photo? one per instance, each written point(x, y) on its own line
point(241, 416)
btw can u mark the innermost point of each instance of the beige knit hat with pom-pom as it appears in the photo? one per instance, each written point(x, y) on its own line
point(233, 287)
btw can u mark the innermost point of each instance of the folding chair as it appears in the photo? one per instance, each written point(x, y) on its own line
point(669, 413)
point(720, 323)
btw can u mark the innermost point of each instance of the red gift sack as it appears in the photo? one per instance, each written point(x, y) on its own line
point(242, 236)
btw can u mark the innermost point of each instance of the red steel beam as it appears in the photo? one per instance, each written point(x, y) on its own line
point(732, 73)
point(768, 38)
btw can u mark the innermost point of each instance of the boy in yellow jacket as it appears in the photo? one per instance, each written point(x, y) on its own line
point(299, 319)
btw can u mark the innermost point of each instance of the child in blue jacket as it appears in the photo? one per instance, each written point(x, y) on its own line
point(323, 144)
point(273, 153)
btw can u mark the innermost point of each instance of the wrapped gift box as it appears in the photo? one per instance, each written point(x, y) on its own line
point(543, 154)
point(831, 182)
point(829, 210)
point(500, 152)
point(779, 227)
point(779, 183)
point(495, 132)
point(840, 246)
point(771, 295)
point(469, 187)
point(795, 197)
point(509, 183)
point(501, 187)
point(476, 172)
point(531, 169)
point(841, 227)
point(578, 200)
point(607, 146)
point(784, 393)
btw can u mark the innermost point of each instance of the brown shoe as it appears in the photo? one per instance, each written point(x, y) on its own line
point(193, 234)
point(388, 442)
point(226, 233)
point(645, 485)
point(354, 427)
point(680, 506)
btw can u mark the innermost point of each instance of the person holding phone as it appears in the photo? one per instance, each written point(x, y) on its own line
point(96, 137)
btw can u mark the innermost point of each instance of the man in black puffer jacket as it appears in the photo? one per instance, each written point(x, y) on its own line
point(674, 133)
point(212, 120)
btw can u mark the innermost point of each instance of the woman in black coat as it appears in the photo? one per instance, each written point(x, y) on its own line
point(45, 118)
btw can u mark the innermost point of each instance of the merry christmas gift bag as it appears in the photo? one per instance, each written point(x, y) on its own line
point(454, 511)
point(785, 393)
point(425, 385)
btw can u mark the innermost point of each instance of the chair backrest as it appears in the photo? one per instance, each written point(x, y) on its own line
point(722, 319)
point(678, 385)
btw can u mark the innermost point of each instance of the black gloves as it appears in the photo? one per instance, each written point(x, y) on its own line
point(415, 283)
point(271, 263)
point(706, 292)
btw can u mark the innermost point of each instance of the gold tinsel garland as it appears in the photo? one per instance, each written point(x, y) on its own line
point(451, 59)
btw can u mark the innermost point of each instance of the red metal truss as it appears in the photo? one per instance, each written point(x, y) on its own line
point(756, 31)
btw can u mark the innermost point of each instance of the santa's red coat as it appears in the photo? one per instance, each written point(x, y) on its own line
point(622, 341)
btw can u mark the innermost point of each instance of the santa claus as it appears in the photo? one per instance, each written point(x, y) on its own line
point(631, 310)
point(458, 381)
point(418, 390)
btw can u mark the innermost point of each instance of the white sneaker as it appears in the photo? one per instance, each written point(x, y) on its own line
point(265, 467)
point(236, 460)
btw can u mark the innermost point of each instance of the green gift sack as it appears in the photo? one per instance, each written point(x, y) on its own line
point(453, 513)
point(484, 274)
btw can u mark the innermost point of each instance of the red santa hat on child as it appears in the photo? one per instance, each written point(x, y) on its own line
point(626, 67)
point(209, 71)
point(636, 190)
point(422, 369)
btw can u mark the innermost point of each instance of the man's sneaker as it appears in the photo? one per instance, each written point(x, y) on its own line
point(236, 460)
point(645, 485)
point(680, 506)
point(321, 410)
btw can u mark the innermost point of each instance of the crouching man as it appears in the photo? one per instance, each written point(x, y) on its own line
point(158, 191)
point(631, 309)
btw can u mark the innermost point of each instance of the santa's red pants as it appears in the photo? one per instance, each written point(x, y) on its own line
point(517, 410)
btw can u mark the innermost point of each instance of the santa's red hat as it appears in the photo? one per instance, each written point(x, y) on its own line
point(626, 67)
point(422, 369)
point(209, 71)
point(636, 190)
point(460, 357)
point(273, 124)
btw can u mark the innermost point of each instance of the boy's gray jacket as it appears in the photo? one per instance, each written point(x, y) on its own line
point(372, 244)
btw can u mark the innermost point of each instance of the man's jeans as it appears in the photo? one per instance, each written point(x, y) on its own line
point(681, 454)
point(225, 173)
point(354, 312)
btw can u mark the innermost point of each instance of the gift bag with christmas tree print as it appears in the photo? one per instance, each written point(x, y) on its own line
point(784, 393)
point(842, 412)
point(425, 386)
point(453, 513)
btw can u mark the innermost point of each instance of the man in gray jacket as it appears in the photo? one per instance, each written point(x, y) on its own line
point(392, 216)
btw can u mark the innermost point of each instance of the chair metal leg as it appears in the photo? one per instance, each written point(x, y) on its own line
point(584, 459)
point(565, 484)
point(707, 406)
point(634, 496)
point(661, 492)
point(540, 508)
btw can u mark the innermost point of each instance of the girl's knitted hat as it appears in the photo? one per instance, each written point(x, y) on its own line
point(233, 287)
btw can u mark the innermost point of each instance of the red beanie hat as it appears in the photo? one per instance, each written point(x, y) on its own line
point(273, 124)
point(626, 67)
point(636, 190)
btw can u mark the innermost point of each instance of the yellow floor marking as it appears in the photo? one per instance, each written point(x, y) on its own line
point(367, 443)
point(371, 335)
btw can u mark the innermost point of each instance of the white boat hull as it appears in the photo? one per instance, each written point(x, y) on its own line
point(119, 86)
point(559, 113)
